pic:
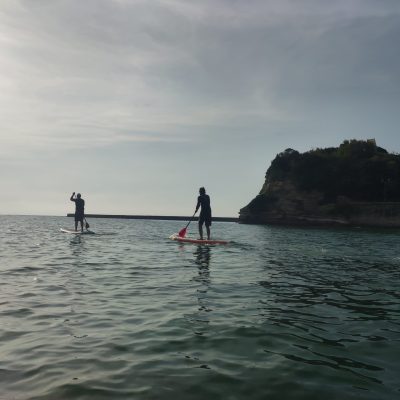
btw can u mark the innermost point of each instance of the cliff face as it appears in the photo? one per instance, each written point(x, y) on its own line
point(355, 184)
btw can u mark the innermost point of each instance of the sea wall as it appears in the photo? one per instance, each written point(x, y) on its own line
point(156, 217)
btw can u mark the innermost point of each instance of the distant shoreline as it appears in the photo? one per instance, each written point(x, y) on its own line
point(156, 217)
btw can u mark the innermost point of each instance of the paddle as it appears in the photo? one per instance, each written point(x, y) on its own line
point(182, 232)
point(87, 226)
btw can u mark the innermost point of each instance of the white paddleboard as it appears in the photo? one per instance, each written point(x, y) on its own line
point(72, 232)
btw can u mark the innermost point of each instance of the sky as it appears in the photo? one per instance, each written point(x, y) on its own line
point(136, 104)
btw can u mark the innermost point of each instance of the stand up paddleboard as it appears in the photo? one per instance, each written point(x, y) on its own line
point(177, 238)
point(72, 232)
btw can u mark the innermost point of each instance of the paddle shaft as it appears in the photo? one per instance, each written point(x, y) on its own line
point(191, 219)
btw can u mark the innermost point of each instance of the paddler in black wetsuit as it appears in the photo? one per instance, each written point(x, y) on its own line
point(79, 210)
point(203, 201)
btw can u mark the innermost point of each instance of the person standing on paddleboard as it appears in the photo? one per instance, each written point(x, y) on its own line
point(203, 201)
point(79, 209)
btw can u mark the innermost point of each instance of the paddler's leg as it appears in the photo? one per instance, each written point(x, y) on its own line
point(208, 224)
point(201, 230)
point(201, 222)
point(76, 224)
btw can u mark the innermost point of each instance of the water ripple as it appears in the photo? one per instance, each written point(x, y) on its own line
point(126, 313)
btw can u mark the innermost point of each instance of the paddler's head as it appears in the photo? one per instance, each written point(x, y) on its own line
point(78, 195)
point(202, 190)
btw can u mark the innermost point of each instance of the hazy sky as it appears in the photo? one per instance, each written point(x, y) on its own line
point(136, 104)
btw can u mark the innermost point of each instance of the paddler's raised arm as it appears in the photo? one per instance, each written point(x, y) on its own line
point(72, 196)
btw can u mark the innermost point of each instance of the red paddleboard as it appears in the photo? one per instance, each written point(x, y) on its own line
point(196, 241)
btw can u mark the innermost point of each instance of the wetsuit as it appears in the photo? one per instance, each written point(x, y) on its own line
point(79, 209)
point(205, 214)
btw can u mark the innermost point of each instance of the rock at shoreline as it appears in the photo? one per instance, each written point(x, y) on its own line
point(356, 184)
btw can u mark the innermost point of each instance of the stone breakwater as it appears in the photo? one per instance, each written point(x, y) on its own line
point(157, 217)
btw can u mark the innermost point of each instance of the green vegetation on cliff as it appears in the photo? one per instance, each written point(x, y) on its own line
point(323, 182)
point(358, 170)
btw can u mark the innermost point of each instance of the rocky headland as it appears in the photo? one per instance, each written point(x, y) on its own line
point(355, 184)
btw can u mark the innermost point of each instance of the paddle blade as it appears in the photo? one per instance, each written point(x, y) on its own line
point(182, 233)
point(87, 225)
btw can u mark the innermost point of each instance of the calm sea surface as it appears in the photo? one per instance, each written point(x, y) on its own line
point(280, 313)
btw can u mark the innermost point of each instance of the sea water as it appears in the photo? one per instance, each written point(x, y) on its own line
point(279, 313)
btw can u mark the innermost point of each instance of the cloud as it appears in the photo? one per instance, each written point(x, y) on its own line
point(97, 72)
point(201, 92)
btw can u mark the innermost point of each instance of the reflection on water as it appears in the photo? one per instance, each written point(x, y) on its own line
point(76, 239)
point(202, 260)
point(200, 318)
